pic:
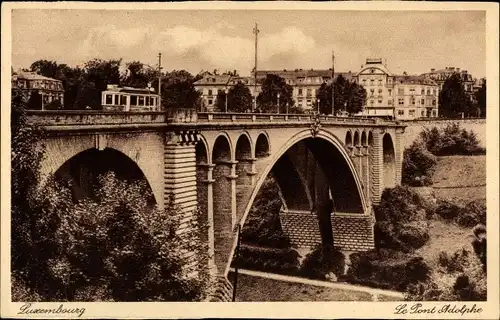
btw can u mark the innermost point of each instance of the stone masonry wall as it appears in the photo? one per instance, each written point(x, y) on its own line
point(414, 128)
point(301, 227)
point(352, 233)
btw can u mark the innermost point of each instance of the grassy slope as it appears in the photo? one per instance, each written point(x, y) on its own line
point(451, 175)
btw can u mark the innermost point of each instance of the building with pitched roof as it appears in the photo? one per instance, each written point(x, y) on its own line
point(29, 83)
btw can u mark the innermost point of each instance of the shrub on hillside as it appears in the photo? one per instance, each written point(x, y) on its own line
point(418, 165)
point(447, 210)
point(471, 214)
point(461, 278)
point(401, 220)
point(282, 261)
point(114, 247)
point(452, 140)
point(387, 269)
point(322, 261)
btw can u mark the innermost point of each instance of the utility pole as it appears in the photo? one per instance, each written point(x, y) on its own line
point(256, 32)
point(333, 83)
point(159, 80)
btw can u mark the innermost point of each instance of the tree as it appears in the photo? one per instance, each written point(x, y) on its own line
point(26, 157)
point(267, 100)
point(355, 98)
point(220, 101)
point(453, 101)
point(349, 96)
point(138, 75)
point(102, 72)
point(239, 98)
point(46, 68)
point(481, 99)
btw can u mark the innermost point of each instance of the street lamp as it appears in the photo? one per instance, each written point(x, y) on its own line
point(225, 94)
point(319, 102)
point(278, 111)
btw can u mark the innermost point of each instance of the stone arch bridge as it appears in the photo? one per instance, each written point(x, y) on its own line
point(329, 170)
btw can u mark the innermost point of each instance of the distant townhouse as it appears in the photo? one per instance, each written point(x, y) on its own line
point(29, 83)
point(396, 96)
point(415, 97)
point(441, 75)
point(378, 82)
point(209, 86)
point(305, 83)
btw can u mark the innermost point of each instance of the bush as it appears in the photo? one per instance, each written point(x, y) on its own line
point(401, 220)
point(461, 279)
point(471, 214)
point(447, 210)
point(418, 165)
point(387, 269)
point(452, 140)
point(112, 248)
point(474, 213)
point(322, 261)
point(282, 261)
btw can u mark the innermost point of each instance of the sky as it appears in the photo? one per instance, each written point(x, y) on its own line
point(197, 40)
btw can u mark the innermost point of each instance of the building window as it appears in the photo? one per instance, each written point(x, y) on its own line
point(422, 92)
point(380, 101)
point(133, 100)
point(433, 113)
point(434, 92)
point(372, 81)
point(433, 102)
point(379, 90)
point(422, 102)
point(401, 101)
point(372, 91)
point(412, 101)
point(389, 102)
point(401, 112)
point(428, 92)
point(379, 82)
point(308, 92)
point(109, 99)
point(210, 101)
point(364, 82)
point(300, 91)
point(422, 113)
point(209, 92)
point(123, 100)
point(141, 100)
point(412, 113)
point(117, 102)
point(308, 102)
point(401, 91)
point(372, 102)
point(390, 91)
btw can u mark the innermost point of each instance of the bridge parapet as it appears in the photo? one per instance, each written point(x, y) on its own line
point(80, 117)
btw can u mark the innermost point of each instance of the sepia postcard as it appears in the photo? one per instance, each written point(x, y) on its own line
point(250, 160)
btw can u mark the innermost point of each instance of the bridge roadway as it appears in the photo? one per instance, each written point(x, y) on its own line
point(329, 170)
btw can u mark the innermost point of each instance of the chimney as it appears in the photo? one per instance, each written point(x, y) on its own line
point(432, 70)
point(458, 69)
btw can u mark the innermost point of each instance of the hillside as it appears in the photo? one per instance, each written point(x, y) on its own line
point(460, 177)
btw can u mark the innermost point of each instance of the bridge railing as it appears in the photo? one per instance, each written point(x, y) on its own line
point(79, 117)
point(277, 117)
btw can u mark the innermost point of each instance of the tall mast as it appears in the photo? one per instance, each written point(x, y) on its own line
point(256, 32)
point(333, 83)
point(159, 80)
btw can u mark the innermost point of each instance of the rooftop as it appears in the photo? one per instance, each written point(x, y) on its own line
point(32, 76)
point(413, 79)
point(300, 73)
point(213, 79)
point(116, 88)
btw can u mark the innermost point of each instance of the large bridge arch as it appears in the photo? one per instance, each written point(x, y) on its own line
point(146, 150)
point(83, 169)
point(305, 135)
